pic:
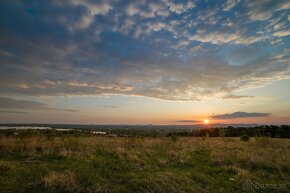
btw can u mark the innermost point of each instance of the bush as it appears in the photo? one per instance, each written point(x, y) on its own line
point(9, 132)
point(173, 138)
point(244, 137)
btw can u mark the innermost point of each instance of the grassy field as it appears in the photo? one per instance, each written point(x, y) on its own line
point(135, 164)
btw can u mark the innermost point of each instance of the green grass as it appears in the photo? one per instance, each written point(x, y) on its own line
point(134, 164)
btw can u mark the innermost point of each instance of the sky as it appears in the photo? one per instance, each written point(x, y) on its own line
point(145, 61)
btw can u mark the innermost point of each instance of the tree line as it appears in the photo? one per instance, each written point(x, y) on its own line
point(282, 131)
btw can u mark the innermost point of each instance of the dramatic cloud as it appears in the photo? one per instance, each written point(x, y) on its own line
point(236, 115)
point(170, 50)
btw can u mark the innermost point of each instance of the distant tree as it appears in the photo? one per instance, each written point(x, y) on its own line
point(9, 132)
point(244, 137)
point(280, 133)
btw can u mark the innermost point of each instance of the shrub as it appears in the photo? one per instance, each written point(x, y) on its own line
point(9, 132)
point(173, 138)
point(244, 137)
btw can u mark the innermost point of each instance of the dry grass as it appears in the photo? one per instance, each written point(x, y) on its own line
point(65, 181)
point(116, 164)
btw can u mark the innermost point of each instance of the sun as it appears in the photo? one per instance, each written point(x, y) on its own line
point(206, 121)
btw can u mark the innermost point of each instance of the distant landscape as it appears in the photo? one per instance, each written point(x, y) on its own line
point(214, 130)
point(67, 158)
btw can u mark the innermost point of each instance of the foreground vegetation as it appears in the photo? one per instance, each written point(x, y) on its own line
point(69, 163)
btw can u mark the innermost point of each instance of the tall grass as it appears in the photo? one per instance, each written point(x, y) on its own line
point(134, 164)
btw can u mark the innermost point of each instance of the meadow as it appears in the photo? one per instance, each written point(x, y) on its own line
point(93, 163)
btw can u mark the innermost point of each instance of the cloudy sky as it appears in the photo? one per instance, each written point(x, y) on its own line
point(145, 61)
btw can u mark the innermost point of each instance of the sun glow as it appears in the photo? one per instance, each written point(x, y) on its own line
point(206, 121)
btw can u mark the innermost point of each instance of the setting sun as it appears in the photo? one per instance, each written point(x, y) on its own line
point(206, 121)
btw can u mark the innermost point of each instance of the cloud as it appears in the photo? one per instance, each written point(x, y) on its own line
point(182, 43)
point(282, 33)
point(155, 27)
point(179, 8)
point(195, 48)
point(207, 17)
point(224, 38)
point(236, 115)
point(187, 121)
point(215, 38)
point(13, 112)
point(99, 7)
point(237, 97)
point(260, 10)
point(132, 9)
point(230, 4)
point(147, 10)
point(10, 103)
point(250, 39)
point(283, 6)
point(88, 48)
point(264, 9)
point(197, 78)
point(66, 110)
point(86, 18)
